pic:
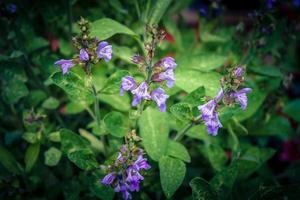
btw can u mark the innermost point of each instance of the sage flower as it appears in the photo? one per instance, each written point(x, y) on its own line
point(168, 63)
point(83, 55)
point(241, 97)
point(65, 65)
point(128, 84)
point(159, 96)
point(104, 50)
point(141, 92)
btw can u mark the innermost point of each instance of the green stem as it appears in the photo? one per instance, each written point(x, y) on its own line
point(136, 4)
point(184, 131)
point(98, 117)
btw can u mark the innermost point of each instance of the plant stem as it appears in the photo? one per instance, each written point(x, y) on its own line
point(184, 131)
point(98, 117)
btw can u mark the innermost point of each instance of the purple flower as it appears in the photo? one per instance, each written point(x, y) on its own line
point(207, 110)
point(141, 92)
point(141, 163)
point(169, 76)
point(209, 114)
point(239, 72)
point(241, 97)
point(128, 84)
point(168, 63)
point(126, 173)
point(83, 55)
point(160, 97)
point(137, 59)
point(213, 124)
point(109, 178)
point(65, 65)
point(104, 50)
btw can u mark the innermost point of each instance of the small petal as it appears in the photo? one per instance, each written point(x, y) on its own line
point(207, 110)
point(239, 71)
point(169, 76)
point(141, 163)
point(109, 178)
point(141, 92)
point(65, 65)
point(241, 97)
point(83, 55)
point(128, 84)
point(104, 50)
point(159, 96)
point(168, 63)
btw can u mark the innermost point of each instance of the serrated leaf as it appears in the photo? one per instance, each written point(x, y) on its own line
point(177, 150)
point(195, 98)
point(84, 159)
point(52, 156)
point(106, 28)
point(113, 83)
point(71, 141)
point(31, 156)
point(202, 190)
point(74, 86)
point(172, 172)
point(182, 111)
point(154, 131)
point(116, 124)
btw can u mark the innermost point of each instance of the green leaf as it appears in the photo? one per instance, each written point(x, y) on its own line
point(50, 103)
point(252, 160)
point(204, 62)
point(224, 180)
point(113, 83)
point(52, 156)
point(8, 161)
point(84, 159)
point(255, 100)
point(30, 137)
point(106, 28)
point(71, 141)
point(31, 156)
point(74, 86)
point(172, 172)
point(78, 150)
point(116, 123)
point(189, 80)
point(96, 144)
point(124, 53)
point(182, 111)
point(73, 108)
point(202, 190)
point(267, 71)
point(292, 108)
point(54, 136)
point(177, 150)
point(13, 91)
point(195, 98)
point(216, 156)
point(121, 103)
point(158, 11)
point(154, 130)
point(277, 192)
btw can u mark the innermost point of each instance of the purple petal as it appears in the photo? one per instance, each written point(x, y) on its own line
point(104, 51)
point(158, 95)
point(83, 55)
point(109, 178)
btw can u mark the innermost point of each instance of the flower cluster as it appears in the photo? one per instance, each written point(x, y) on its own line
point(91, 50)
point(161, 71)
point(229, 95)
point(125, 173)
